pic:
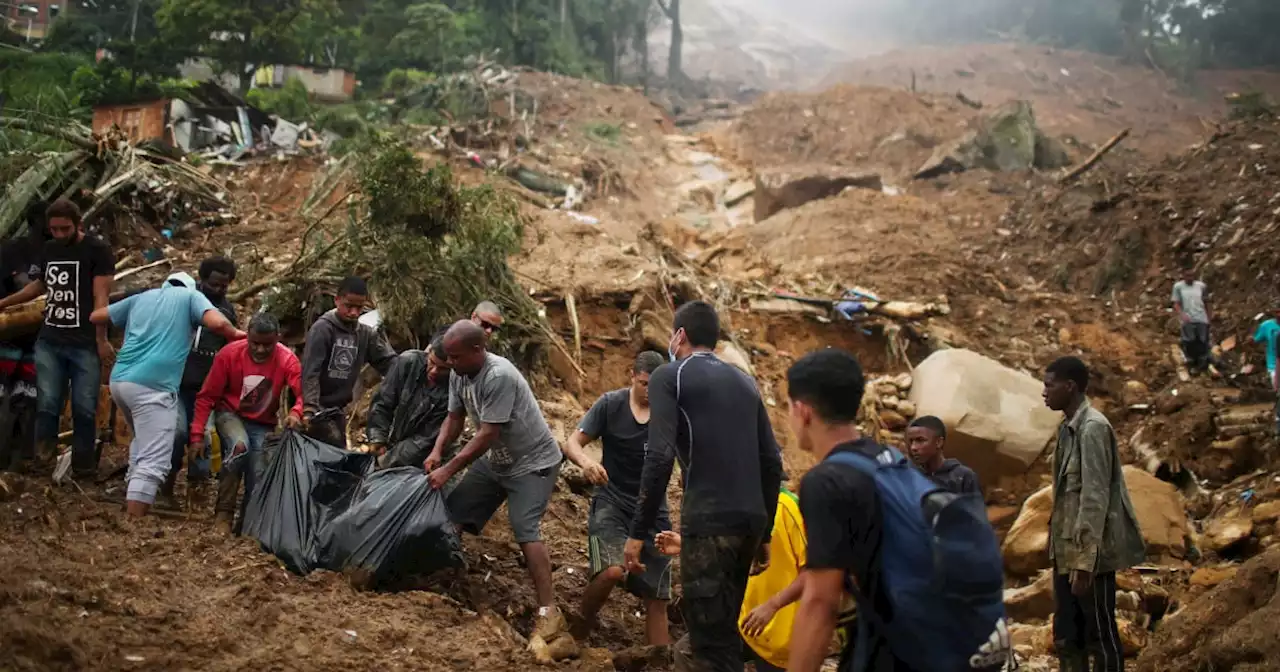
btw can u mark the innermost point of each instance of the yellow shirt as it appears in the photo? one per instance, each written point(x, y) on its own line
point(786, 557)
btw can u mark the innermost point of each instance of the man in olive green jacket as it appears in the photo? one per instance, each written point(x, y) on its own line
point(1094, 532)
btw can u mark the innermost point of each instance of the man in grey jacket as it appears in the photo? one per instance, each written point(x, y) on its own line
point(338, 347)
point(1093, 532)
point(410, 407)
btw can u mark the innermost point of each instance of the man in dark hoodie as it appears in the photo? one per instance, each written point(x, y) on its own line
point(926, 439)
point(216, 275)
point(338, 346)
point(411, 406)
point(19, 266)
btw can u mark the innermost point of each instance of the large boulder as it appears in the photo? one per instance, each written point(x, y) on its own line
point(997, 422)
point(1162, 517)
point(778, 189)
point(1006, 140)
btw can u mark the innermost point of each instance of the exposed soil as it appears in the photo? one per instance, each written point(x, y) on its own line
point(83, 590)
point(1087, 96)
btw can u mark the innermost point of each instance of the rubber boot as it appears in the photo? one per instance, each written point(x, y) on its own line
point(1072, 660)
point(165, 498)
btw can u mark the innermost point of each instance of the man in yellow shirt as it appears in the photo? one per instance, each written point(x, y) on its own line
point(769, 605)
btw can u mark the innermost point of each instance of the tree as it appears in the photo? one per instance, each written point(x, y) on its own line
point(675, 70)
point(239, 37)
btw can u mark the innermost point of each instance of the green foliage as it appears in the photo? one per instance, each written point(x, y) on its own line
point(239, 37)
point(432, 248)
point(35, 85)
point(291, 101)
point(604, 132)
point(402, 80)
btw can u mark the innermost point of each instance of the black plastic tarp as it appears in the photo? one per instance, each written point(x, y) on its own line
point(397, 527)
point(306, 485)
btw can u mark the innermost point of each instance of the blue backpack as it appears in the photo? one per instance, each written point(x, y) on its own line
point(941, 570)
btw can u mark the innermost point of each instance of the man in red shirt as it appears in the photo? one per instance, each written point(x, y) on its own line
point(243, 392)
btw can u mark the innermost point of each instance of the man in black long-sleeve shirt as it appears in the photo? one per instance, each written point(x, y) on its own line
point(709, 416)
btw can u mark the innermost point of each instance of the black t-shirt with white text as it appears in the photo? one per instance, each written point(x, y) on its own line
point(68, 272)
point(623, 439)
point(843, 530)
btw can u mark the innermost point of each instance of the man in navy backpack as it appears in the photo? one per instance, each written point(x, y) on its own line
point(1093, 532)
point(867, 534)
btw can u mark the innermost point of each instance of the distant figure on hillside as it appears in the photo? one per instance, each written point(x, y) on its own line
point(1267, 333)
point(926, 439)
point(1093, 531)
point(1191, 305)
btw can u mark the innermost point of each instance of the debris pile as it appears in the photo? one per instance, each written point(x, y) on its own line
point(139, 193)
point(887, 408)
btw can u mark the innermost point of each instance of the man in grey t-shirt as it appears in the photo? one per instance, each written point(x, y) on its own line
point(1190, 303)
point(513, 457)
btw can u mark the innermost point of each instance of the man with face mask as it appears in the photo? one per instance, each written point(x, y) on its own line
point(216, 275)
point(242, 393)
point(411, 406)
point(338, 347)
point(75, 276)
point(710, 416)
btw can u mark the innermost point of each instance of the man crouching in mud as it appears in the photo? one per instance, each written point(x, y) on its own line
point(731, 480)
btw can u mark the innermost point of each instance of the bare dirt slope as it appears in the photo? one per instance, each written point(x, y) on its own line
point(1088, 96)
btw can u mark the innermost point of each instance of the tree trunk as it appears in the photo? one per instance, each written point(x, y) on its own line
point(675, 72)
point(564, 18)
point(642, 45)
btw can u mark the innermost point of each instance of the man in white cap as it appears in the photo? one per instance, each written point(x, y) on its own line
point(158, 327)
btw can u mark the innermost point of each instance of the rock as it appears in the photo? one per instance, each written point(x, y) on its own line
point(560, 648)
point(1127, 600)
point(885, 388)
point(1161, 513)
point(1031, 640)
point(1208, 577)
point(1050, 153)
point(778, 189)
point(1002, 515)
point(1133, 637)
point(906, 408)
point(732, 354)
point(903, 381)
point(1026, 547)
point(1157, 505)
point(654, 330)
point(1266, 512)
point(1228, 530)
point(997, 423)
point(1229, 458)
point(890, 403)
point(738, 192)
point(1246, 415)
point(1136, 392)
point(1033, 601)
point(1006, 140)
point(892, 420)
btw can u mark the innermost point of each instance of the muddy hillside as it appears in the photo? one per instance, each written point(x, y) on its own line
point(939, 237)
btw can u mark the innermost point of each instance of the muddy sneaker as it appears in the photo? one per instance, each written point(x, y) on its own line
point(549, 623)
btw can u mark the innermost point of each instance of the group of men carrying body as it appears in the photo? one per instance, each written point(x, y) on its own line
point(757, 563)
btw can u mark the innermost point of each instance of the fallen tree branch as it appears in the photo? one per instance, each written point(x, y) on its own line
point(1092, 161)
point(572, 306)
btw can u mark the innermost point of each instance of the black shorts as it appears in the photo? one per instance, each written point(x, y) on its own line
point(482, 491)
point(608, 528)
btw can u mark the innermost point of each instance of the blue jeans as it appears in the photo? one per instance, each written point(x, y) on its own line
point(242, 458)
point(203, 467)
point(56, 366)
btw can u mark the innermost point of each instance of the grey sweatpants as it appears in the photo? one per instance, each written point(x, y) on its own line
point(153, 417)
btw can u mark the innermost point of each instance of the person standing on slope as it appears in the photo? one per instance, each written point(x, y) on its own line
point(709, 415)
